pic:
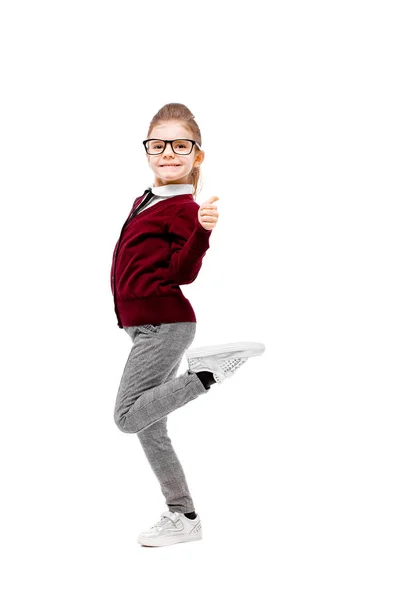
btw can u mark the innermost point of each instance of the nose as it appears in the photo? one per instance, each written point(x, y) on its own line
point(168, 149)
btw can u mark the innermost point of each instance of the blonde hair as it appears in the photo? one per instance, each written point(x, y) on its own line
point(179, 112)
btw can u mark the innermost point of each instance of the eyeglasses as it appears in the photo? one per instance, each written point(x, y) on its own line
point(154, 146)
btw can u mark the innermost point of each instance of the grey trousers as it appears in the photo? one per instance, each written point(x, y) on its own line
point(149, 391)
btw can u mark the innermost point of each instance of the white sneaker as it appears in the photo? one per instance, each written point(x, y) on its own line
point(222, 360)
point(172, 528)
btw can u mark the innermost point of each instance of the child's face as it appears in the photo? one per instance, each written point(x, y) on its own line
point(163, 174)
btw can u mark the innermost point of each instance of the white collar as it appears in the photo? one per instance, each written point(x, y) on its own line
point(173, 189)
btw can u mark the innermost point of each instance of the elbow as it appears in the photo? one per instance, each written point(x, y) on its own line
point(182, 278)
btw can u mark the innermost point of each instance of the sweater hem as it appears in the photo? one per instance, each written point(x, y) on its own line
point(154, 310)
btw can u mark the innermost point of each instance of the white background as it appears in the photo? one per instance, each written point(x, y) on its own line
point(293, 464)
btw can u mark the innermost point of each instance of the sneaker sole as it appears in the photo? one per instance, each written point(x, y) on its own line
point(169, 541)
point(241, 348)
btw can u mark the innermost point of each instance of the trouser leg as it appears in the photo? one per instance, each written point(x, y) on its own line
point(152, 365)
point(166, 466)
point(145, 394)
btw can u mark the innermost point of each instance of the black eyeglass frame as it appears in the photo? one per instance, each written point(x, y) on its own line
point(170, 141)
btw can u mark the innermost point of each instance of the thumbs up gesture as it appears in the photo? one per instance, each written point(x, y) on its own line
point(208, 213)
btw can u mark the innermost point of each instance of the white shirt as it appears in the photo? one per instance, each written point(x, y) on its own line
point(162, 192)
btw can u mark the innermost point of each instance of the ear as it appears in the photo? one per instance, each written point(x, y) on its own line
point(199, 158)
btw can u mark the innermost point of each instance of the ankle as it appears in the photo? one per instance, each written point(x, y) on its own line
point(206, 378)
point(191, 515)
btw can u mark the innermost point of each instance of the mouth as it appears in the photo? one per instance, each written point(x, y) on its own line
point(170, 165)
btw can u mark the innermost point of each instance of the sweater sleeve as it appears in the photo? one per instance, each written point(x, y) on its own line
point(189, 243)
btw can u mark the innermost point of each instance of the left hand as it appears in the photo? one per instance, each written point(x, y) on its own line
point(208, 213)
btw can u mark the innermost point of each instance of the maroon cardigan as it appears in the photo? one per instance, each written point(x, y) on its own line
point(159, 249)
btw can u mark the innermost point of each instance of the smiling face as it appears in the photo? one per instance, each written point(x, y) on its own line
point(169, 167)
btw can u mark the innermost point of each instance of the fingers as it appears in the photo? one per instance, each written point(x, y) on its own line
point(208, 218)
point(209, 213)
point(210, 206)
point(210, 203)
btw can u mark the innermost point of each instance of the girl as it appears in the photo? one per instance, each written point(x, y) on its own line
point(161, 246)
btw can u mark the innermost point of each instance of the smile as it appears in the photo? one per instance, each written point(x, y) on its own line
point(170, 165)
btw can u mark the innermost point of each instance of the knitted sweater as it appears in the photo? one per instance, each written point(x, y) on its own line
point(159, 249)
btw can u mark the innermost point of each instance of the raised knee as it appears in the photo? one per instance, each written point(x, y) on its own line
point(123, 426)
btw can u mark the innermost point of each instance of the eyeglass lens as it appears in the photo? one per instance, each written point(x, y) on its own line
point(178, 146)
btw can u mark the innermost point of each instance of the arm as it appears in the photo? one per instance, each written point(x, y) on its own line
point(190, 241)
